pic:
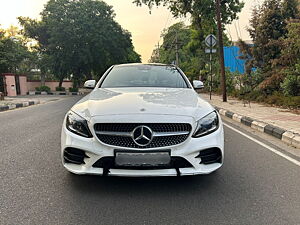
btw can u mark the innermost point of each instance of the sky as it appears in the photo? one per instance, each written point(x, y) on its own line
point(144, 27)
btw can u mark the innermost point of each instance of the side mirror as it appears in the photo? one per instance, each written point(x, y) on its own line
point(90, 84)
point(197, 84)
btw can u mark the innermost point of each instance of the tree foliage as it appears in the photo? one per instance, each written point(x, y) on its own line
point(275, 41)
point(193, 59)
point(290, 9)
point(202, 13)
point(200, 10)
point(267, 27)
point(290, 60)
point(14, 55)
point(80, 38)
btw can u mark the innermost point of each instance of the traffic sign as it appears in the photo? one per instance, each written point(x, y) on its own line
point(210, 50)
point(211, 40)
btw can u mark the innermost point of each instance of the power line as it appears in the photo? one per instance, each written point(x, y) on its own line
point(165, 25)
point(175, 43)
point(236, 30)
point(160, 37)
point(229, 33)
point(239, 28)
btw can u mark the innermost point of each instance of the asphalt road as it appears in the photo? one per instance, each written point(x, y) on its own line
point(255, 186)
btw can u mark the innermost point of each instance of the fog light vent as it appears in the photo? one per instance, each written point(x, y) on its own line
point(74, 155)
point(210, 156)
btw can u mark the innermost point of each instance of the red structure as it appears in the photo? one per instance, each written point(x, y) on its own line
point(13, 85)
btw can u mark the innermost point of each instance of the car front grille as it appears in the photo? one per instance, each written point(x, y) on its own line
point(164, 134)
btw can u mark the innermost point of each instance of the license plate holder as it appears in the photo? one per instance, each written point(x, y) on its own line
point(125, 158)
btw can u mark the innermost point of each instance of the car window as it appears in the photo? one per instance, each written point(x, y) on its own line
point(144, 76)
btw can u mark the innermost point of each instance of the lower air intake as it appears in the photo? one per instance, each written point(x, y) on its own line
point(74, 155)
point(210, 156)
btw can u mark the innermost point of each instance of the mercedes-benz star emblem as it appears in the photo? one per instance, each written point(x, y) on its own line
point(142, 135)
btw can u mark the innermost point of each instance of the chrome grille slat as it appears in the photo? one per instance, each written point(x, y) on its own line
point(114, 133)
point(164, 134)
point(129, 134)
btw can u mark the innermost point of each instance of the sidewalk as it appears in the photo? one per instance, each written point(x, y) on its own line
point(24, 101)
point(262, 117)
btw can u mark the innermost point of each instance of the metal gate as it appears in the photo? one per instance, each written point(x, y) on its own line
point(17, 80)
point(3, 85)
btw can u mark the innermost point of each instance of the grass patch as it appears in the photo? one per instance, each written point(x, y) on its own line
point(276, 99)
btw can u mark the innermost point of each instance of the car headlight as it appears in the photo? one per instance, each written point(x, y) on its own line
point(207, 125)
point(76, 124)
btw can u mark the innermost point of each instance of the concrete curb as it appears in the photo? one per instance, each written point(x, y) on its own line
point(53, 93)
point(18, 105)
point(286, 136)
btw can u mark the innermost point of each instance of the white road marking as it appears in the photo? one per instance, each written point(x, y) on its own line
point(264, 145)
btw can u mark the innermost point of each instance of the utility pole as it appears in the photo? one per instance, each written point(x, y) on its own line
point(158, 53)
point(221, 53)
point(177, 52)
point(210, 71)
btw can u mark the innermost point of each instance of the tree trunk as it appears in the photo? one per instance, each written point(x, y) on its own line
point(76, 78)
point(42, 78)
point(60, 82)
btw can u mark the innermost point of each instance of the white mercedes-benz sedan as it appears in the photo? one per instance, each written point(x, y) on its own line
point(142, 120)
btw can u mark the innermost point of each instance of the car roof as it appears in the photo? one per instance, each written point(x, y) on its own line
point(144, 64)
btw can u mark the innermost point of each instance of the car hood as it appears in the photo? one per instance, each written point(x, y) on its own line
point(159, 101)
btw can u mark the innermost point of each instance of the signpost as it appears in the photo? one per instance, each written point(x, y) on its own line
point(210, 42)
point(209, 51)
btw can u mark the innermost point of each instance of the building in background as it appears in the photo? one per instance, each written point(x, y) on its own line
point(13, 85)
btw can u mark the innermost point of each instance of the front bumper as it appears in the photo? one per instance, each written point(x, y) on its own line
point(189, 150)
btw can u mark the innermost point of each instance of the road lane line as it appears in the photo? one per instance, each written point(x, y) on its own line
point(296, 162)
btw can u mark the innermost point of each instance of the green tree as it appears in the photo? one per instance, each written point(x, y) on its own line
point(188, 60)
point(267, 27)
point(200, 10)
point(290, 60)
point(290, 9)
point(269, 31)
point(246, 54)
point(168, 48)
point(81, 38)
point(203, 12)
point(14, 55)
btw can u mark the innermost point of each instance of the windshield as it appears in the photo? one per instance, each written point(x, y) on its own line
point(144, 76)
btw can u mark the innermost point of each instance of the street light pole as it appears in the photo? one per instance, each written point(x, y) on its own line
point(221, 50)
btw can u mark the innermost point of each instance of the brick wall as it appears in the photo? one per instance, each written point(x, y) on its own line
point(31, 85)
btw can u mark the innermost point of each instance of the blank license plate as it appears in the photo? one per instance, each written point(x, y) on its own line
point(142, 158)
